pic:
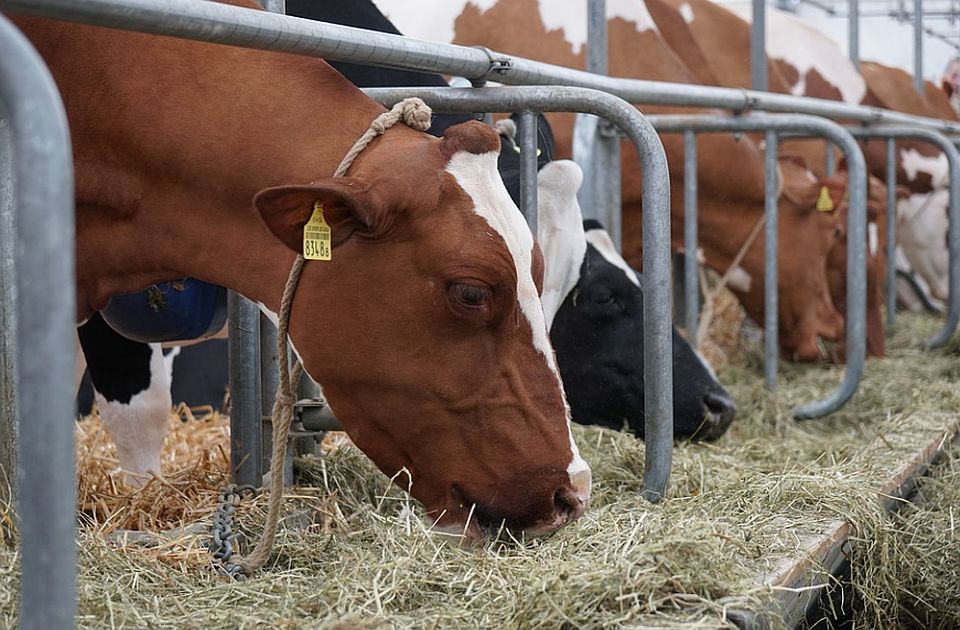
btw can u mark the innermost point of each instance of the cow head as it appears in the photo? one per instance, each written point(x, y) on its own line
point(444, 375)
point(594, 305)
point(836, 188)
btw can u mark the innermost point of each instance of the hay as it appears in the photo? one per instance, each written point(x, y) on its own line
point(353, 551)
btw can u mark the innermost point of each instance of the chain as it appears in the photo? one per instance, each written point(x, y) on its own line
point(224, 538)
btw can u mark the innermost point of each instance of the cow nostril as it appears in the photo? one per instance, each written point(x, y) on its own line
point(719, 402)
point(567, 503)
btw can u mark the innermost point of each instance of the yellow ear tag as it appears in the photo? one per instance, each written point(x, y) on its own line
point(825, 201)
point(316, 235)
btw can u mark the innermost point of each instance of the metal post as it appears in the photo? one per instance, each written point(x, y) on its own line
point(856, 228)
point(46, 312)
point(246, 443)
point(891, 232)
point(853, 32)
point(918, 45)
point(830, 159)
point(771, 339)
point(528, 167)
point(657, 329)
point(597, 36)
point(758, 51)
point(269, 379)
point(691, 266)
point(8, 324)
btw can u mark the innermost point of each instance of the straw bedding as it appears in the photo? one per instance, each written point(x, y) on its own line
point(354, 552)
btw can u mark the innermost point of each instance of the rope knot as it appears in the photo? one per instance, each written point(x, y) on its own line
point(414, 113)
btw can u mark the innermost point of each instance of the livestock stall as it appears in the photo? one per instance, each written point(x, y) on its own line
point(626, 561)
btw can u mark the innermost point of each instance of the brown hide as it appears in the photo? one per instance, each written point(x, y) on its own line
point(722, 39)
point(419, 328)
point(730, 171)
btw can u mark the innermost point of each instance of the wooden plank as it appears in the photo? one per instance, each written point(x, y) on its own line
point(799, 580)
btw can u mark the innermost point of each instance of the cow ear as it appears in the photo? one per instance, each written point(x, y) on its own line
point(348, 207)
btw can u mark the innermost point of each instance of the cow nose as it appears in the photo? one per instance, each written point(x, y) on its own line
point(569, 506)
point(720, 412)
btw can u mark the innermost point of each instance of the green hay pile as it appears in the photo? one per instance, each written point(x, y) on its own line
point(355, 552)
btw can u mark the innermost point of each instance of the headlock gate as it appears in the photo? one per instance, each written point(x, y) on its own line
point(36, 197)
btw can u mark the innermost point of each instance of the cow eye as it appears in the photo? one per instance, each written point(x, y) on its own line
point(470, 296)
point(603, 297)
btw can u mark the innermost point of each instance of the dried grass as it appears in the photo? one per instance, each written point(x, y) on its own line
point(355, 553)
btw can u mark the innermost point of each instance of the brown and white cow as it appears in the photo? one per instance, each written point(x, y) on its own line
point(716, 42)
point(425, 329)
point(731, 172)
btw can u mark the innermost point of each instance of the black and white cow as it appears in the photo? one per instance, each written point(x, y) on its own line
point(593, 299)
point(594, 306)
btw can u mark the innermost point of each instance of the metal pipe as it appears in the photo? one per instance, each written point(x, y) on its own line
point(607, 180)
point(528, 167)
point(46, 312)
point(597, 36)
point(227, 24)
point(691, 265)
point(771, 198)
point(269, 380)
point(953, 213)
point(243, 349)
point(918, 46)
point(830, 159)
point(853, 32)
point(856, 228)
point(657, 329)
point(758, 51)
point(891, 232)
point(8, 323)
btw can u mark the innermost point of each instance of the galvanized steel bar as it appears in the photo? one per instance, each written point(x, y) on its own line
point(771, 334)
point(46, 313)
point(691, 264)
point(246, 442)
point(918, 46)
point(798, 124)
point(657, 332)
point(8, 323)
point(830, 159)
point(528, 125)
point(853, 32)
point(607, 180)
point(226, 24)
point(891, 231)
point(953, 212)
point(597, 36)
point(758, 51)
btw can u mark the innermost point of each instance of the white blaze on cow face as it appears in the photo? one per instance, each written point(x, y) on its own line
point(686, 12)
point(914, 163)
point(806, 49)
point(604, 245)
point(477, 175)
point(560, 232)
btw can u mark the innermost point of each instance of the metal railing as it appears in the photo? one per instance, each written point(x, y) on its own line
point(890, 134)
point(43, 216)
point(796, 124)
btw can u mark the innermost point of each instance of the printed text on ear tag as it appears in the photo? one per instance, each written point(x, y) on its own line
point(316, 235)
point(825, 201)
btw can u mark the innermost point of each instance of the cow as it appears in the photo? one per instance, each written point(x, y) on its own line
point(425, 327)
point(132, 383)
point(714, 42)
point(731, 198)
point(594, 306)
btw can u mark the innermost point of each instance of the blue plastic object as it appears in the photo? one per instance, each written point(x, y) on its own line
point(169, 311)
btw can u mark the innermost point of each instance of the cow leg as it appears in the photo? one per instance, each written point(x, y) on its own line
point(132, 383)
